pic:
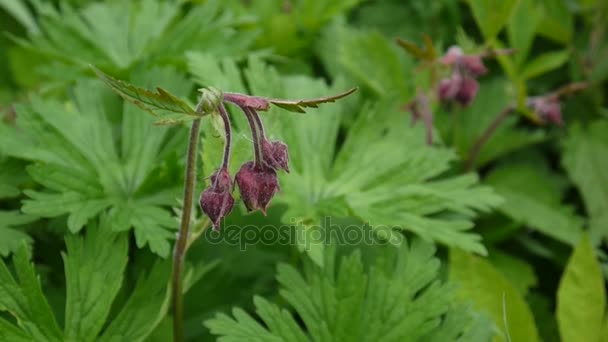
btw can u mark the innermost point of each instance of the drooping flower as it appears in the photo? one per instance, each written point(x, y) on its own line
point(216, 201)
point(275, 154)
point(548, 108)
point(257, 185)
point(461, 86)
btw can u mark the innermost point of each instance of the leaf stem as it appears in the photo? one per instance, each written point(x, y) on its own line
point(487, 134)
point(181, 243)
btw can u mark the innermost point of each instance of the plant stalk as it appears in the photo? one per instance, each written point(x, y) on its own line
point(257, 148)
point(487, 134)
point(181, 243)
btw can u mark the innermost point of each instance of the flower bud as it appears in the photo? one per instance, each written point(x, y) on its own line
point(275, 154)
point(257, 185)
point(467, 92)
point(217, 201)
point(210, 99)
point(474, 65)
point(548, 108)
point(449, 87)
point(458, 88)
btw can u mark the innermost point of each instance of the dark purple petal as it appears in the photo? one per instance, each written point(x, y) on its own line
point(474, 65)
point(467, 92)
point(216, 205)
point(276, 155)
point(257, 185)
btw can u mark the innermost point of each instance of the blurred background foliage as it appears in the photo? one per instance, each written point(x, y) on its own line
point(514, 250)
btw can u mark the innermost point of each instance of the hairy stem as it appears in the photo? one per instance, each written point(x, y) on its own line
point(259, 122)
point(228, 130)
point(487, 134)
point(257, 149)
point(181, 243)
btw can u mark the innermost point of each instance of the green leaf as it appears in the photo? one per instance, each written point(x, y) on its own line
point(367, 58)
point(21, 13)
point(145, 308)
point(95, 154)
point(24, 300)
point(118, 35)
point(94, 274)
point(581, 296)
point(485, 287)
point(396, 298)
point(11, 237)
point(544, 63)
point(492, 15)
point(522, 28)
point(519, 272)
point(582, 158)
point(298, 106)
point(533, 197)
point(163, 105)
point(557, 22)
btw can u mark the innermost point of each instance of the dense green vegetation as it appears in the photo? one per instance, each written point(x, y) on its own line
point(461, 194)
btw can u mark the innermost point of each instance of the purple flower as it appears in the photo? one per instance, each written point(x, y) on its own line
point(257, 185)
point(548, 108)
point(217, 201)
point(458, 88)
point(275, 154)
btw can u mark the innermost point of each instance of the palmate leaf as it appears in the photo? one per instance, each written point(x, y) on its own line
point(96, 154)
point(117, 35)
point(94, 275)
point(397, 298)
point(383, 174)
point(162, 104)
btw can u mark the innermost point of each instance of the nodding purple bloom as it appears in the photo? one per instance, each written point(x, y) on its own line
point(275, 154)
point(217, 201)
point(461, 86)
point(458, 88)
point(257, 180)
point(548, 108)
point(257, 185)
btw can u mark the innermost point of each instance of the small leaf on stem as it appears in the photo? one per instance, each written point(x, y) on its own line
point(162, 104)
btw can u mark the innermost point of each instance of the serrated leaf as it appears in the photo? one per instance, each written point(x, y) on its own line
point(145, 308)
point(162, 104)
point(544, 63)
point(485, 287)
point(396, 298)
point(298, 106)
point(581, 296)
point(24, 300)
point(95, 154)
point(11, 237)
point(94, 274)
